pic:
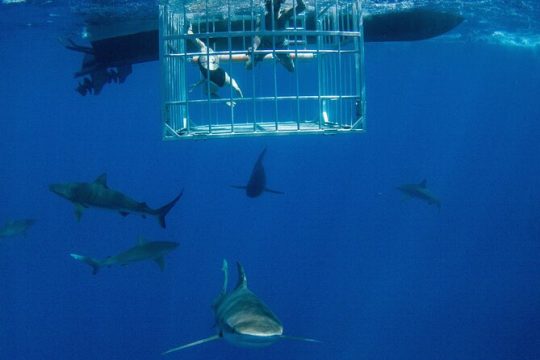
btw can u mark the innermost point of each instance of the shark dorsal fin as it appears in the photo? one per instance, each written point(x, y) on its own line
point(423, 184)
point(223, 293)
point(242, 279)
point(102, 180)
point(261, 156)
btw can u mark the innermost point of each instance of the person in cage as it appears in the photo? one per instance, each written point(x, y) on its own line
point(213, 77)
point(274, 19)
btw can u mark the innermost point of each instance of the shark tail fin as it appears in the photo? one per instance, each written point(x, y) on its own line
point(88, 260)
point(164, 210)
point(195, 343)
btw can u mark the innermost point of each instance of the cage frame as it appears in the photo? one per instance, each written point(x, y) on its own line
point(174, 65)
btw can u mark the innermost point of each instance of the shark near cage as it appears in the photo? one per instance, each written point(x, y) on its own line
point(279, 67)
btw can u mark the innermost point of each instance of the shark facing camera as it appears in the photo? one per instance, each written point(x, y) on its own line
point(242, 319)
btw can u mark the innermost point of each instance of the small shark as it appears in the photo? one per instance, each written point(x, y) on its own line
point(16, 227)
point(98, 195)
point(242, 318)
point(421, 192)
point(144, 250)
point(257, 181)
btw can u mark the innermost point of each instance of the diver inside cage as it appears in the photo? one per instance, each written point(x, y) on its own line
point(213, 77)
point(274, 19)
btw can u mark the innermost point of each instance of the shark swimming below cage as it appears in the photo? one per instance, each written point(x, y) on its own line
point(252, 68)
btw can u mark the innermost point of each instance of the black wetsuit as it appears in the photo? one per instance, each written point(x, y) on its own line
point(217, 76)
point(277, 22)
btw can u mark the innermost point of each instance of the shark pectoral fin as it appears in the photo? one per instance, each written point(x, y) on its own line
point(89, 261)
point(299, 338)
point(195, 343)
point(124, 213)
point(161, 262)
point(78, 211)
point(243, 187)
point(274, 191)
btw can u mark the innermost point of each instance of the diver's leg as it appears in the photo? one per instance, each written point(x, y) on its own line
point(255, 58)
point(193, 86)
point(232, 83)
point(250, 62)
point(289, 13)
point(211, 90)
point(286, 61)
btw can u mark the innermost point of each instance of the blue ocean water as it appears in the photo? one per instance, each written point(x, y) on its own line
point(341, 257)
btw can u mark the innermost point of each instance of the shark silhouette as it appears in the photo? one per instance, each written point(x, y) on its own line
point(257, 181)
point(144, 250)
point(98, 195)
point(16, 227)
point(242, 318)
point(420, 191)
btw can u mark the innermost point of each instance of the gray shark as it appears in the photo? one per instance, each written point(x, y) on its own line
point(16, 227)
point(257, 181)
point(144, 250)
point(98, 195)
point(421, 192)
point(242, 318)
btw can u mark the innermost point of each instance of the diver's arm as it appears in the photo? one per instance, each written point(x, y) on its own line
point(200, 44)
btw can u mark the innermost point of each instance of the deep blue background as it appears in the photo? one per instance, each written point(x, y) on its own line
point(342, 257)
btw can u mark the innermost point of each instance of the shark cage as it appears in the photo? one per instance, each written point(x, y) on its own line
point(261, 67)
